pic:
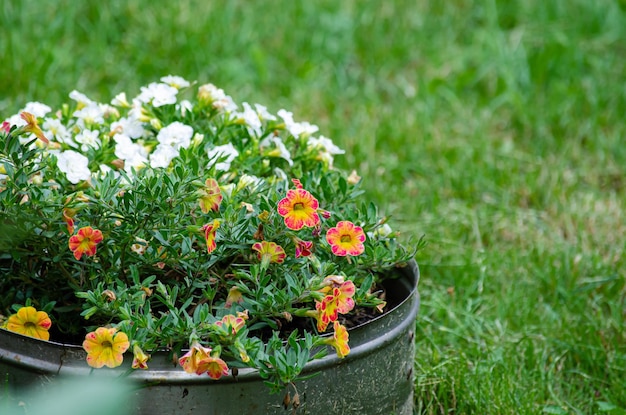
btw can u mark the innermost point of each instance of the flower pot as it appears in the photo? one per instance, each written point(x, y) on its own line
point(375, 378)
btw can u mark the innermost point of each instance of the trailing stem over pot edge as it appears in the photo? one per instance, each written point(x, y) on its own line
point(219, 232)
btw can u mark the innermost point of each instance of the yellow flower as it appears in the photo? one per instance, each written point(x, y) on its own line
point(30, 322)
point(210, 196)
point(339, 340)
point(105, 347)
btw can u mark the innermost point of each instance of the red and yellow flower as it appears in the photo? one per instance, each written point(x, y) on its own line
point(211, 196)
point(85, 242)
point(210, 230)
point(338, 299)
point(269, 252)
point(339, 340)
point(140, 358)
point(105, 347)
point(346, 239)
point(299, 209)
point(30, 322)
point(232, 323)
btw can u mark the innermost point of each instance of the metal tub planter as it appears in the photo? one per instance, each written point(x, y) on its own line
point(375, 378)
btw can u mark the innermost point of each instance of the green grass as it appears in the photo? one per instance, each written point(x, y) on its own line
point(495, 128)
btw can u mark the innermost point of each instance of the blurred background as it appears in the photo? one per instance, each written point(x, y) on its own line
point(496, 129)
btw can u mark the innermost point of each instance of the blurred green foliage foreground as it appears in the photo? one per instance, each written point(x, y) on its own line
point(494, 128)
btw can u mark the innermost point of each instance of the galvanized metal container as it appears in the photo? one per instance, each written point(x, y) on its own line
point(375, 378)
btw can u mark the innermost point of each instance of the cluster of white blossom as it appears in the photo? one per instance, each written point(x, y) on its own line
point(128, 127)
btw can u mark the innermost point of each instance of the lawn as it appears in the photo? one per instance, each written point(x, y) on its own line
point(496, 129)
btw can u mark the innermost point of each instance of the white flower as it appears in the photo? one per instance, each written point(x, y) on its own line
point(296, 128)
point(88, 139)
point(38, 109)
point(80, 98)
point(162, 156)
point(175, 81)
point(251, 118)
point(324, 144)
point(133, 154)
point(177, 135)
point(158, 94)
point(325, 147)
point(90, 114)
point(131, 126)
point(210, 92)
point(225, 154)
point(53, 128)
point(384, 231)
point(250, 181)
point(264, 113)
point(280, 149)
point(216, 97)
point(74, 165)
point(185, 106)
point(120, 100)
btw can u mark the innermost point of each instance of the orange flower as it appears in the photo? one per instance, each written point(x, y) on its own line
point(191, 360)
point(346, 239)
point(210, 229)
point(32, 126)
point(338, 301)
point(214, 367)
point(299, 209)
point(210, 196)
point(85, 242)
point(269, 251)
point(30, 322)
point(105, 347)
point(198, 360)
point(339, 340)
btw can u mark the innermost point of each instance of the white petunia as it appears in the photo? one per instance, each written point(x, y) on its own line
point(133, 154)
point(38, 109)
point(158, 94)
point(225, 154)
point(264, 113)
point(249, 181)
point(175, 81)
point(162, 156)
point(74, 165)
point(90, 115)
point(80, 98)
point(296, 128)
point(251, 119)
point(53, 128)
point(120, 100)
point(177, 135)
point(88, 139)
point(131, 126)
point(279, 148)
point(324, 144)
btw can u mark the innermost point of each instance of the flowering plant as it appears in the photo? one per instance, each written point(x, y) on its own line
point(221, 233)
